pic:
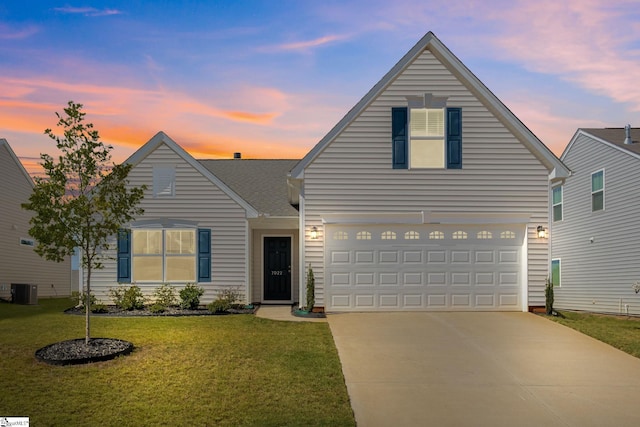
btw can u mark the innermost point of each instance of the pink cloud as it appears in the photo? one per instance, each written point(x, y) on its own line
point(87, 11)
point(304, 46)
point(583, 41)
point(7, 33)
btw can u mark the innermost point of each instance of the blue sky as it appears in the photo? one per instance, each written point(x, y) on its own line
point(270, 78)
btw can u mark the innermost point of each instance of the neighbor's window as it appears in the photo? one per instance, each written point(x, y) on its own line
point(556, 202)
point(164, 255)
point(555, 272)
point(26, 241)
point(427, 138)
point(597, 191)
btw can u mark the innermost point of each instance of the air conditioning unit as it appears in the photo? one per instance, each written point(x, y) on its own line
point(24, 294)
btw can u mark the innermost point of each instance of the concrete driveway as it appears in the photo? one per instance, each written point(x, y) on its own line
point(482, 369)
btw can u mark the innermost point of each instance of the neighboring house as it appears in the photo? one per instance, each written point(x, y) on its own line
point(20, 263)
point(595, 245)
point(218, 223)
point(427, 195)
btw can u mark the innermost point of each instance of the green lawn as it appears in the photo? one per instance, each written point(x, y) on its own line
point(198, 371)
point(620, 332)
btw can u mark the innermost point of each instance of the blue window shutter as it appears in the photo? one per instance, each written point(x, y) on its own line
point(399, 138)
point(204, 255)
point(454, 138)
point(124, 256)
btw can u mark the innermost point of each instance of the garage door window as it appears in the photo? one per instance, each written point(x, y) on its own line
point(507, 235)
point(388, 235)
point(459, 235)
point(340, 235)
point(363, 235)
point(411, 235)
point(484, 235)
point(436, 235)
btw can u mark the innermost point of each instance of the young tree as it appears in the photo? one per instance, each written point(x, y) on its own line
point(83, 200)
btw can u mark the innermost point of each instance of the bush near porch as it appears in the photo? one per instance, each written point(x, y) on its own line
point(210, 370)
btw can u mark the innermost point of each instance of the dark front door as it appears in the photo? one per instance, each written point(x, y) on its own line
point(277, 268)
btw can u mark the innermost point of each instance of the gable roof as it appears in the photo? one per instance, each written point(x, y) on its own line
point(5, 144)
point(613, 137)
point(451, 62)
point(162, 138)
point(262, 183)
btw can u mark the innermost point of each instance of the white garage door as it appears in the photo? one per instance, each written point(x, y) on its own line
point(423, 267)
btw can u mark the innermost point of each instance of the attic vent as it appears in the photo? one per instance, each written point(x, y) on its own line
point(237, 155)
point(627, 135)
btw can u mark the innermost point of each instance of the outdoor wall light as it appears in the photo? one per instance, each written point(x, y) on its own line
point(314, 232)
point(542, 232)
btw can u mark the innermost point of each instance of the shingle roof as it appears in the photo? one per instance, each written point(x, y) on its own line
point(616, 137)
point(262, 183)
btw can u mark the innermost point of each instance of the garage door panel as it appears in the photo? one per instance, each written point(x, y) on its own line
point(484, 257)
point(364, 279)
point(485, 301)
point(436, 257)
point(365, 301)
point(437, 301)
point(340, 257)
point(508, 257)
point(460, 257)
point(509, 278)
point(388, 257)
point(364, 257)
point(415, 272)
point(437, 279)
point(340, 279)
point(387, 279)
point(460, 279)
point(412, 257)
point(413, 278)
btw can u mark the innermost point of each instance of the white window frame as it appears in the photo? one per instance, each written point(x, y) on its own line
point(598, 191)
point(164, 255)
point(561, 204)
point(413, 163)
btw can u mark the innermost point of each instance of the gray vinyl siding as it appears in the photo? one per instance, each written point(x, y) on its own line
point(20, 264)
point(598, 276)
point(257, 262)
point(499, 174)
point(196, 199)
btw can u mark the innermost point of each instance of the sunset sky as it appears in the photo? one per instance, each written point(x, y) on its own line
point(270, 78)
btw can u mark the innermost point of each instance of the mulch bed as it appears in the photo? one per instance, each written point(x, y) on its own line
point(76, 352)
point(170, 311)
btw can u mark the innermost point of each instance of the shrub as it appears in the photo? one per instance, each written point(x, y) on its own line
point(548, 297)
point(190, 296)
point(157, 308)
point(79, 299)
point(218, 306)
point(165, 296)
point(99, 308)
point(226, 299)
point(311, 284)
point(127, 297)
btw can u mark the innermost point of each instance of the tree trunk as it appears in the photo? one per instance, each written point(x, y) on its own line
point(87, 307)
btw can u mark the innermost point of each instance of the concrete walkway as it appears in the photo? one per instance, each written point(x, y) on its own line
point(482, 369)
point(283, 312)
